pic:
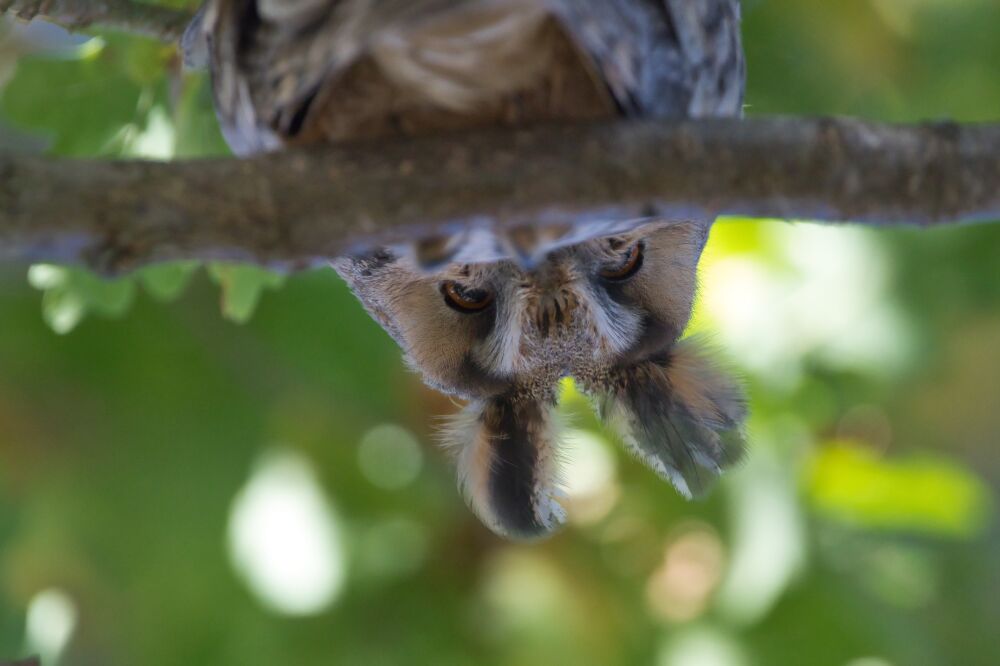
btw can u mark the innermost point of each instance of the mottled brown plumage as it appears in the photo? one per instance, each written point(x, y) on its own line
point(307, 70)
point(548, 303)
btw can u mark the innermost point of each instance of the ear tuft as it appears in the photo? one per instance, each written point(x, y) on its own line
point(679, 414)
point(506, 451)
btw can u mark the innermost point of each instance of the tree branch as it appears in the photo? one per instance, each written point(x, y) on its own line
point(154, 21)
point(295, 208)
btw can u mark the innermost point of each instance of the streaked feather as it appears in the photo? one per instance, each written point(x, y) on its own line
point(506, 451)
point(315, 70)
point(677, 414)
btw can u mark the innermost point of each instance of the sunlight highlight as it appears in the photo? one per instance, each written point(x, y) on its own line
point(51, 620)
point(768, 537)
point(824, 294)
point(284, 539)
point(682, 586)
point(869, 661)
point(701, 646)
point(390, 457)
point(62, 308)
point(524, 588)
point(158, 140)
point(590, 474)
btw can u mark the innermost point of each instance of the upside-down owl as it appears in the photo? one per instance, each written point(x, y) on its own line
point(501, 334)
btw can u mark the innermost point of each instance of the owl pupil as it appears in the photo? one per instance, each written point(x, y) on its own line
point(464, 299)
point(627, 267)
point(472, 295)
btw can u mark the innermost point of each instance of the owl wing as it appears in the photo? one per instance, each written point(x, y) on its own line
point(301, 71)
point(664, 58)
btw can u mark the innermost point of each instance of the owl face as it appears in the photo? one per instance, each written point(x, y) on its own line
point(607, 312)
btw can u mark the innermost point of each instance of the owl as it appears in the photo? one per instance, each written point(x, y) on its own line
point(499, 317)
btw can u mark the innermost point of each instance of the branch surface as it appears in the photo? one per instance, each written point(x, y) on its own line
point(154, 21)
point(296, 208)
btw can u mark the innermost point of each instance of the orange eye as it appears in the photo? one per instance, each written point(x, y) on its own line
point(467, 301)
point(626, 268)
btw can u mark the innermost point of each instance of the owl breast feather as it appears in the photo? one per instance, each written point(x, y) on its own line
point(302, 71)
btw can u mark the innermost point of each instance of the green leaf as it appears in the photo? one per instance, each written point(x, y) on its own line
point(62, 310)
point(83, 102)
point(196, 128)
point(166, 282)
point(72, 293)
point(242, 287)
point(145, 61)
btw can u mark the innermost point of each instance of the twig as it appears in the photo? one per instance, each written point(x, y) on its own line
point(154, 21)
point(295, 208)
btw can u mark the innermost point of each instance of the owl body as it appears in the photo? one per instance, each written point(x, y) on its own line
point(300, 71)
point(501, 334)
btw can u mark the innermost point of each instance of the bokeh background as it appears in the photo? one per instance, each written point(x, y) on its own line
point(213, 465)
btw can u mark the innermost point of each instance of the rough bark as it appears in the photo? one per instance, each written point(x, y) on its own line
point(153, 21)
point(296, 208)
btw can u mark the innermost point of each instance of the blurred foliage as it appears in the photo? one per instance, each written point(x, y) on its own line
point(242, 287)
point(916, 495)
point(176, 489)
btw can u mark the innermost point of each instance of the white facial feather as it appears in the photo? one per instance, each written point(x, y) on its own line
point(502, 351)
point(617, 327)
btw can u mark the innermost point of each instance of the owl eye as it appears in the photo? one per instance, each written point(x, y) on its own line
point(625, 268)
point(465, 300)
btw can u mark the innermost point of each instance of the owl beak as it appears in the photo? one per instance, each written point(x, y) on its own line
point(556, 307)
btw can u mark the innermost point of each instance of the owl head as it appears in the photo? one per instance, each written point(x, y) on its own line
point(608, 312)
